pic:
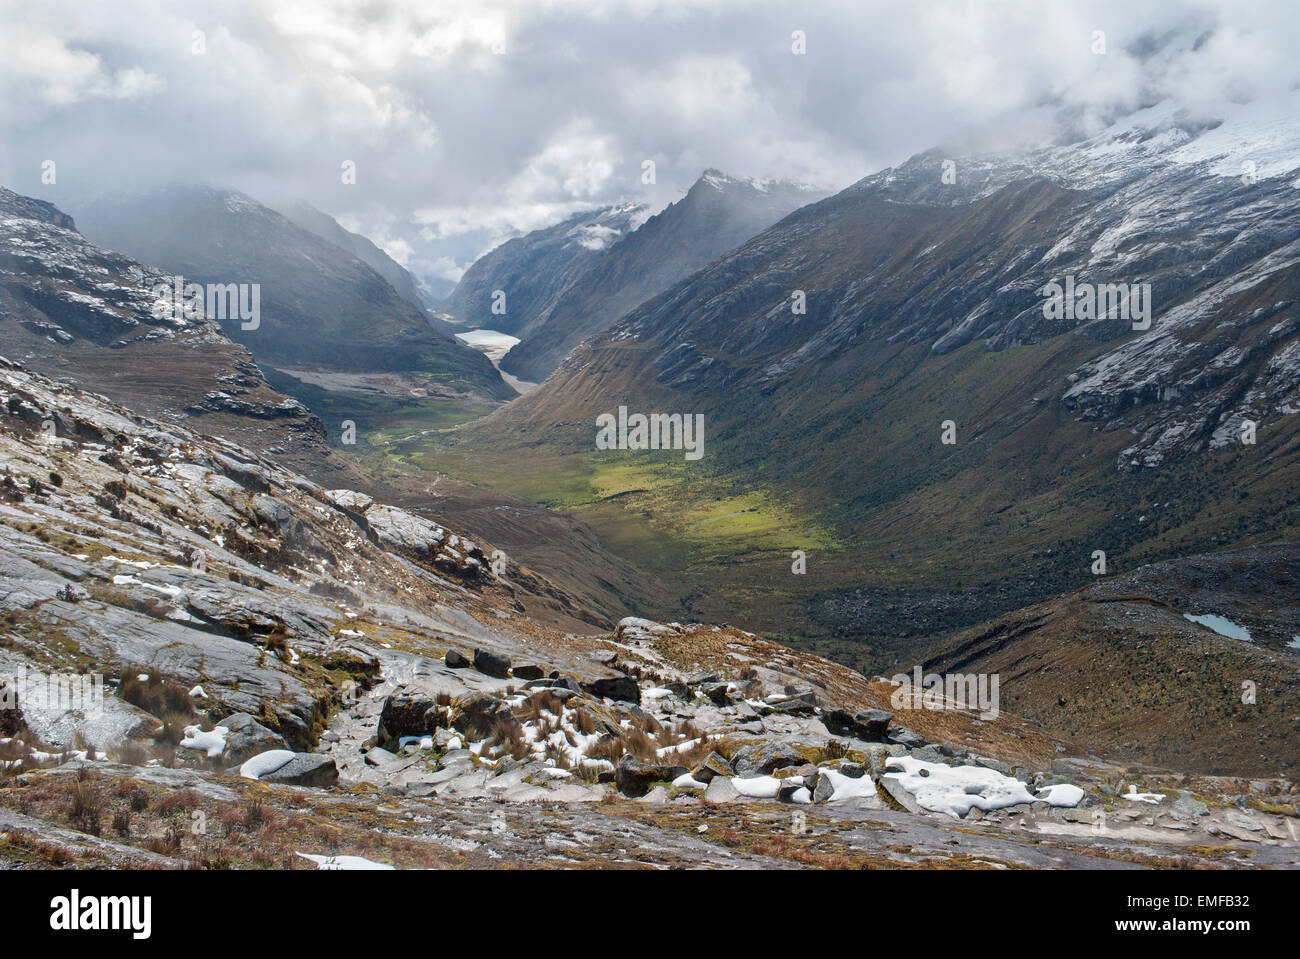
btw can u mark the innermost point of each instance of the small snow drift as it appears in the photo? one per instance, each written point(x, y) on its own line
point(956, 790)
point(263, 764)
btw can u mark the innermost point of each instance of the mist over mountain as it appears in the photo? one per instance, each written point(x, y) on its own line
point(71, 309)
point(324, 310)
point(327, 228)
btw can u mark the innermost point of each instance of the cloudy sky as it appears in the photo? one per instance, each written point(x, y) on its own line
point(472, 120)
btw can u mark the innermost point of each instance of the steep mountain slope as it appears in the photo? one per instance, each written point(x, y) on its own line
point(323, 311)
point(73, 310)
point(925, 303)
point(1120, 667)
point(327, 228)
point(534, 270)
point(716, 215)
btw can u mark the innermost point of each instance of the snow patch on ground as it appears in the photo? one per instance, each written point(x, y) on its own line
point(956, 790)
point(264, 763)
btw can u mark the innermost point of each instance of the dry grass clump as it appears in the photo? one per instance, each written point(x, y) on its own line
point(540, 705)
point(86, 804)
point(153, 694)
point(610, 748)
point(507, 735)
point(584, 721)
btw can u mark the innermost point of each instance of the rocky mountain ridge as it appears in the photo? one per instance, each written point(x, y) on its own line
point(74, 310)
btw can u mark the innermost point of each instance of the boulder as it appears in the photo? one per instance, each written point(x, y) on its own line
point(900, 795)
point(528, 672)
point(408, 712)
point(478, 712)
point(996, 765)
point(906, 737)
point(1187, 807)
point(635, 778)
point(822, 787)
point(717, 692)
point(786, 791)
point(456, 659)
point(721, 790)
point(927, 754)
point(713, 766)
point(378, 756)
point(247, 737)
point(620, 688)
point(493, 664)
point(802, 704)
point(869, 724)
point(306, 769)
point(762, 759)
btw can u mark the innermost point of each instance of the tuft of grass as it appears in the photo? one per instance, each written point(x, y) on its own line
point(155, 695)
point(86, 804)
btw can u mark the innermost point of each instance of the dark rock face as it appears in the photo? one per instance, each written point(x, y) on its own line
point(456, 660)
point(534, 270)
point(70, 302)
point(718, 214)
point(407, 712)
point(493, 664)
point(620, 688)
point(327, 228)
point(870, 725)
point(527, 672)
point(11, 713)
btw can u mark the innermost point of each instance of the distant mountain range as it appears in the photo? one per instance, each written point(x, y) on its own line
point(717, 214)
point(565, 282)
point(534, 270)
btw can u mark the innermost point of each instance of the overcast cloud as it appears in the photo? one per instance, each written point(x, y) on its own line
point(472, 120)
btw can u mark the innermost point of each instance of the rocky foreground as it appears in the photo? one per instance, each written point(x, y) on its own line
point(304, 678)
